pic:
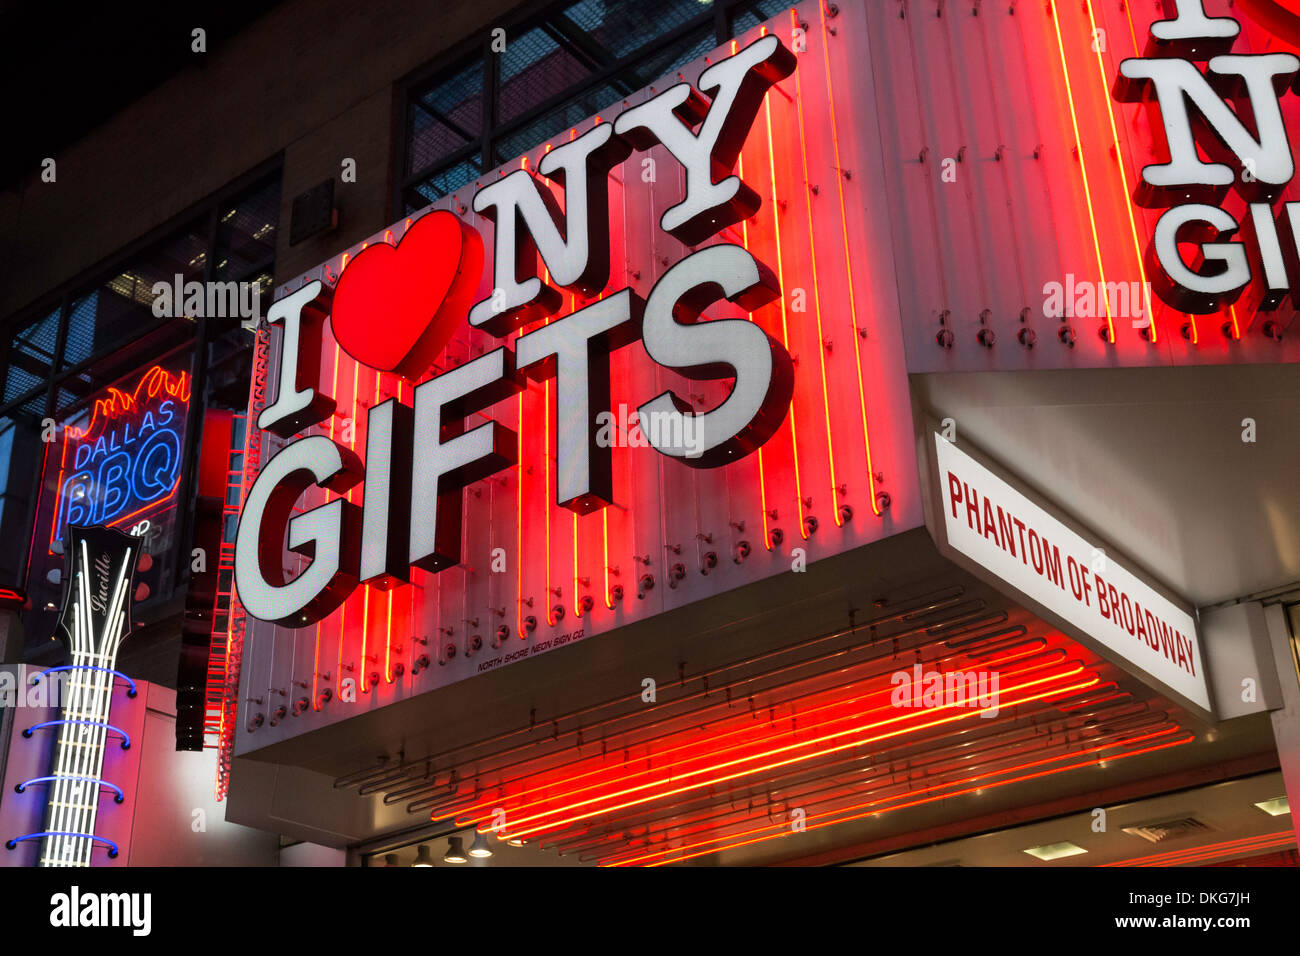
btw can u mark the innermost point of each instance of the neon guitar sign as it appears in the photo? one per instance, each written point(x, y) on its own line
point(95, 619)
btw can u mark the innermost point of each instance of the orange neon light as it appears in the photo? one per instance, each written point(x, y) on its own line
point(117, 403)
point(778, 830)
point(785, 333)
point(1211, 851)
point(848, 263)
point(762, 483)
point(531, 831)
point(817, 303)
point(1083, 166)
point(1123, 177)
point(835, 709)
point(723, 772)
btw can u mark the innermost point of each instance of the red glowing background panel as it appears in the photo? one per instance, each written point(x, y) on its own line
point(839, 473)
point(1009, 166)
point(816, 732)
point(919, 174)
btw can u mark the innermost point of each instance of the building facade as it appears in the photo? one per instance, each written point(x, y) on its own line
point(680, 433)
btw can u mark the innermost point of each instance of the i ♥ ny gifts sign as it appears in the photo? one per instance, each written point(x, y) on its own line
point(396, 307)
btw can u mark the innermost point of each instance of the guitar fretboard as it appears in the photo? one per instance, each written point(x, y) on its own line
point(79, 756)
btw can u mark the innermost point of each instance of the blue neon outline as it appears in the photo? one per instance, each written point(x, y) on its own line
point(126, 738)
point(21, 787)
point(112, 847)
point(88, 667)
point(95, 485)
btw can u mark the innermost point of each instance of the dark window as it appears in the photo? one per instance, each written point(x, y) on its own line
point(31, 356)
point(750, 13)
point(103, 331)
point(558, 68)
point(20, 446)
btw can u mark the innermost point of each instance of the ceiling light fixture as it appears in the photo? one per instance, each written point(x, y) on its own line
point(479, 848)
point(1275, 807)
point(1055, 851)
point(423, 856)
point(455, 852)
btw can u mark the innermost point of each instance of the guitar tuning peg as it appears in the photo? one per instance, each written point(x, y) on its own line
point(141, 591)
point(57, 546)
point(144, 562)
point(55, 576)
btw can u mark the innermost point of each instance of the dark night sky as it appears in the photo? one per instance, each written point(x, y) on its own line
point(66, 68)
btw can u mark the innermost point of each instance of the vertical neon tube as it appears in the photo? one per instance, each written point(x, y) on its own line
point(1083, 166)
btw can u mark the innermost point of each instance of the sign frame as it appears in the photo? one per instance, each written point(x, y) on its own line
point(928, 428)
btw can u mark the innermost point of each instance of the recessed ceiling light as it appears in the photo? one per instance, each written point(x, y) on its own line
point(1055, 851)
point(455, 852)
point(423, 856)
point(1275, 807)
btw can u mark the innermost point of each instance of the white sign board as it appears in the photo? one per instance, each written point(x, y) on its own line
point(1010, 536)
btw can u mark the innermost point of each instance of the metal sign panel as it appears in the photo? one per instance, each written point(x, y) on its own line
point(1006, 535)
point(533, 576)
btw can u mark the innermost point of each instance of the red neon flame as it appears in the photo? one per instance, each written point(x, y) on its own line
point(118, 403)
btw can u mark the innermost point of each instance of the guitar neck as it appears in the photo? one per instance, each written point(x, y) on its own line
point(95, 620)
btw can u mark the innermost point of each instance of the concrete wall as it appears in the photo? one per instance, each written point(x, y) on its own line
point(169, 816)
point(314, 82)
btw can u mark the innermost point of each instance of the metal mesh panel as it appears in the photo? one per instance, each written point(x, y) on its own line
point(31, 355)
point(445, 117)
point(246, 232)
point(17, 382)
point(754, 12)
point(660, 64)
point(553, 59)
point(555, 121)
point(441, 183)
point(535, 68)
point(118, 311)
point(624, 26)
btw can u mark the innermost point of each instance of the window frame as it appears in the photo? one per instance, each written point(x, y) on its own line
point(207, 210)
point(720, 15)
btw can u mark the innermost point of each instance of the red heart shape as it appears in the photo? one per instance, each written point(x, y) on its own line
point(396, 307)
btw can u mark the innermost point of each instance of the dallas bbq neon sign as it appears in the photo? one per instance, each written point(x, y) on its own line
point(126, 460)
point(396, 308)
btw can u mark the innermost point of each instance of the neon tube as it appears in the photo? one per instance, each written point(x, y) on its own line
point(112, 847)
point(88, 667)
point(1083, 166)
point(121, 796)
point(848, 262)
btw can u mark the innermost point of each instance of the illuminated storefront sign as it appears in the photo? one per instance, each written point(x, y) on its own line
point(1205, 114)
point(95, 619)
point(420, 458)
point(123, 464)
point(1070, 578)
